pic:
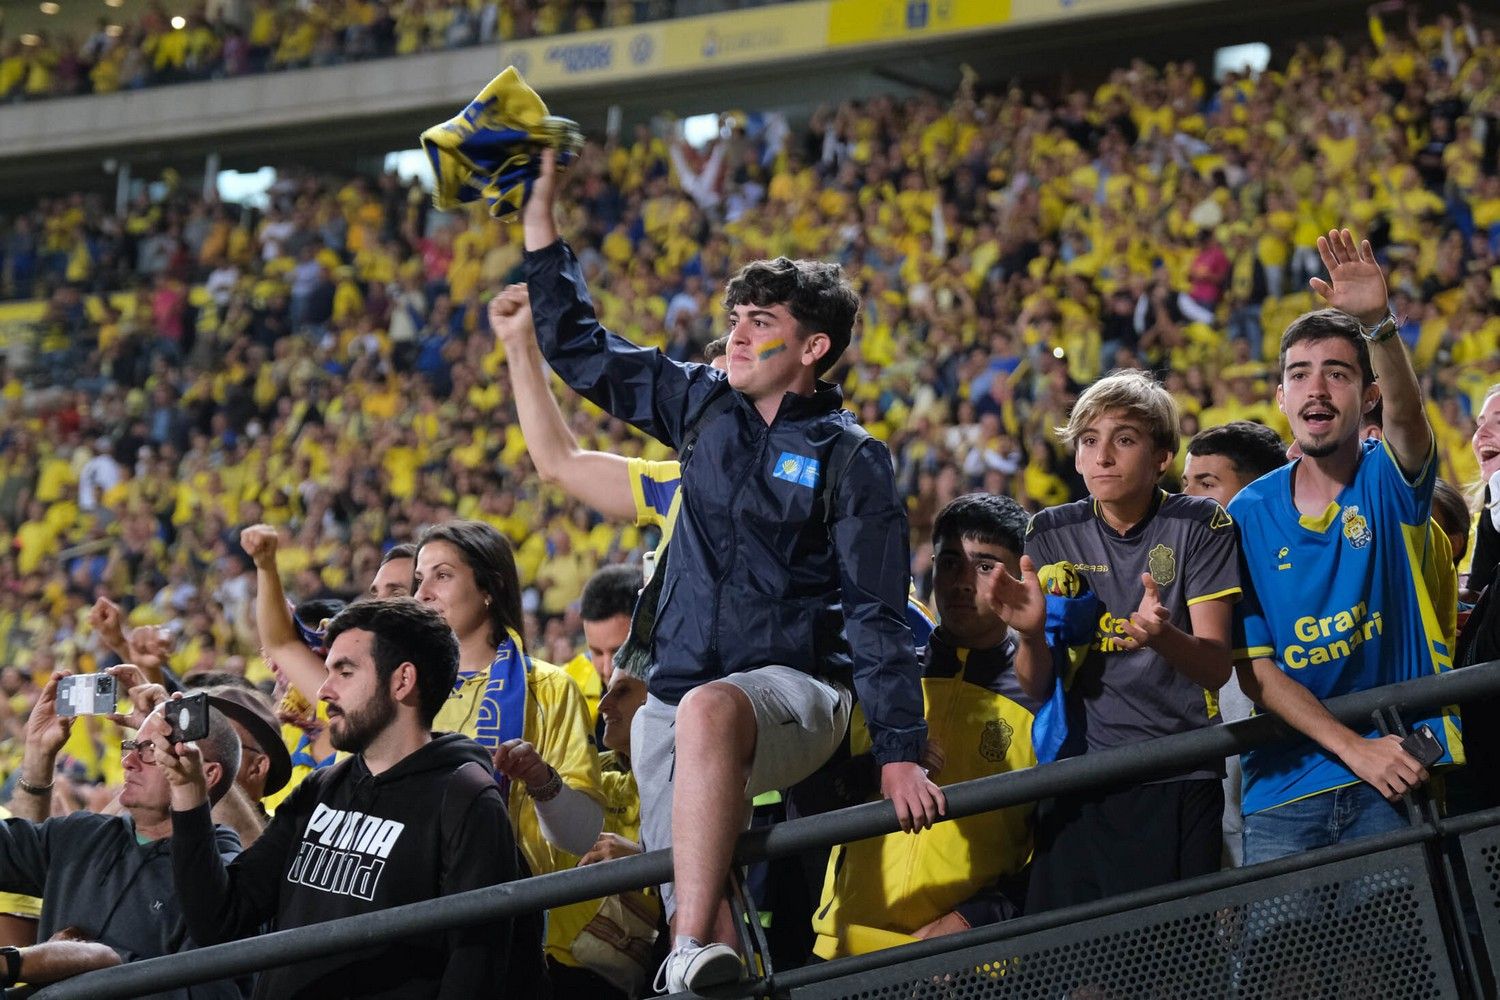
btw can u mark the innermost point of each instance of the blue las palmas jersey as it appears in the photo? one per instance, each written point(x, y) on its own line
point(1339, 602)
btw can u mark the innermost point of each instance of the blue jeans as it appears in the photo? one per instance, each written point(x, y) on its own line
point(1332, 817)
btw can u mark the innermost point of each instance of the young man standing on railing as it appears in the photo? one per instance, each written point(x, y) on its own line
point(1335, 597)
point(1149, 659)
point(774, 604)
point(411, 815)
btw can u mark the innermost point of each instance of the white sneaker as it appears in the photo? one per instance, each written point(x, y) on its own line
point(697, 968)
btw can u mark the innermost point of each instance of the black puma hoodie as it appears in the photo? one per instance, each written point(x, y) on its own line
point(347, 842)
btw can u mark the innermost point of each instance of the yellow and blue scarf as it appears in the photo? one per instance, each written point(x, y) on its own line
point(491, 150)
point(502, 704)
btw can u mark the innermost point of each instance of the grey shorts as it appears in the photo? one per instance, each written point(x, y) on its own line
point(800, 720)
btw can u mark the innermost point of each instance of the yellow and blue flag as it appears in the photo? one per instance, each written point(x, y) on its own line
point(492, 149)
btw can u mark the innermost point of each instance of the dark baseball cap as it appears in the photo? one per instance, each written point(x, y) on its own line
point(251, 710)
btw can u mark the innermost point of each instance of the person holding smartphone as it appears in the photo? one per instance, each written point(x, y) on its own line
point(107, 880)
point(1354, 514)
point(409, 815)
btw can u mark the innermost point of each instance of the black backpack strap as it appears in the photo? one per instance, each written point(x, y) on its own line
point(526, 977)
point(839, 460)
point(718, 403)
point(468, 781)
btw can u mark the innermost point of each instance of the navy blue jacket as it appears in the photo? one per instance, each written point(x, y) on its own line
point(755, 576)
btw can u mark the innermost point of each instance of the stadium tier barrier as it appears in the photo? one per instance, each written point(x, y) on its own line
point(1384, 912)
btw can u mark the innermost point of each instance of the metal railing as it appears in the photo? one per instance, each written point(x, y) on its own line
point(1121, 766)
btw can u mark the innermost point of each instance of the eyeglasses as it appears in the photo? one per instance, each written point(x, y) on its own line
point(145, 749)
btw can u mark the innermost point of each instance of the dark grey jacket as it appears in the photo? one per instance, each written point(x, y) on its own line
point(92, 874)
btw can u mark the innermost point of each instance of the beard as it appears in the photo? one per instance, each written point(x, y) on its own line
point(361, 726)
point(1322, 450)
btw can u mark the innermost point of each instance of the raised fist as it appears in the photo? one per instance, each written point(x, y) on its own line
point(259, 542)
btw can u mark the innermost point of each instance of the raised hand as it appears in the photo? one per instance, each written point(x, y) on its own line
point(1149, 620)
point(182, 762)
point(537, 220)
point(259, 542)
point(510, 316)
point(106, 618)
point(149, 647)
point(46, 731)
point(1355, 284)
point(143, 694)
point(1020, 602)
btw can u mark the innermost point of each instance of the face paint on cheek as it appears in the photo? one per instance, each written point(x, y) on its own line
point(770, 349)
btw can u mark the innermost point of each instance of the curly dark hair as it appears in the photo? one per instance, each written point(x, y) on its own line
point(488, 554)
point(406, 632)
point(816, 294)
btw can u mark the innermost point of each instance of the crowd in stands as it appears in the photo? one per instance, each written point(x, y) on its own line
point(232, 38)
point(326, 366)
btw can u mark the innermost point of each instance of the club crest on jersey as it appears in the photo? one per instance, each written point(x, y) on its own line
point(1356, 527)
point(1162, 562)
point(799, 469)
point(994, 742)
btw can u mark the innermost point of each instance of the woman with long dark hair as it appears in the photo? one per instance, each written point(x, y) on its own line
point(529, 715)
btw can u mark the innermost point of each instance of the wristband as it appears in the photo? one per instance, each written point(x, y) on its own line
point(12, 960)
point(547, 790)
point(1382, 331)
point(31, 789)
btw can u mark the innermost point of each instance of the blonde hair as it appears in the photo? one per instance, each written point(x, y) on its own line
point(1136, 393)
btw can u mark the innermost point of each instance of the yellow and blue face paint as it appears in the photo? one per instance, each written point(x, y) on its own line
point(770, 349)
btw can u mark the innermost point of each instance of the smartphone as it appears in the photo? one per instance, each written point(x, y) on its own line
point(86, 694)
point(1423, 746)
point(188, 718)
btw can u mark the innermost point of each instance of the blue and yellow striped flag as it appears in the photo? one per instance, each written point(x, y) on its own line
point(492, 149)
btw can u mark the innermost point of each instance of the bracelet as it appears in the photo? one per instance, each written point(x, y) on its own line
point(547, 790)
point(1382, 331)
point(31, 789)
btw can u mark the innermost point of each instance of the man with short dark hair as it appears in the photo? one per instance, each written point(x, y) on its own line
point(108, 879)
point(1223, 460)
point(1352, 516)
point(964, 873)
point(409, 815)
point(605, 606)
point(776, 598)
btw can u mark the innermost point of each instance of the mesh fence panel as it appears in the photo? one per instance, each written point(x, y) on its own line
point(1481, 852)
point(1361, 930)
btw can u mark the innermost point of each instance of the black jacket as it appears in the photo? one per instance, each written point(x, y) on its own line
point(94, 875)
point(348, 842)
point(756, 576)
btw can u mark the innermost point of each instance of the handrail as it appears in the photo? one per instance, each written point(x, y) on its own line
point(1141, 762)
